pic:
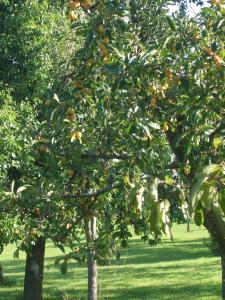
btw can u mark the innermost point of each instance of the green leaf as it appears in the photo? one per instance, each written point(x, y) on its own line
point(132, 194)
point(209, 172)
point(55, 97)
point(117, 255)
point(168, 180)
point(208, 194)
point(53, 113)
point(57, 261)
point(154, 125)
point(171, 23)
point(167, 231)
point(140, 199)
point(208, 10)
point(63, 268)
point(165, 205)
point(61, 247)
point(152, 192)
point(155, 218)
point(217, 142)
point(164, 53)
point(199, 217)
point(16, 253)
point(21, 189)
point(185, 83)
point(222, 204)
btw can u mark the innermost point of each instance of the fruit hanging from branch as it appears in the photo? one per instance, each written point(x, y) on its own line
point(72, 16)
point(74, 4)
point(75, 136)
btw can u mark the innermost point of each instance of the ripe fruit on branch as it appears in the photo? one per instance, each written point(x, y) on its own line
point(16, 231)
point(74, 4)
point(153, 103)
point(71, 115)
point(215, 2)
point(153, 89)
point(101, 29)
point(39, 137)
point(168, 73)
point(71, 172)
point(187, 169)
point(165, 127)
point(209, 51)
point(37, 211)
point(103, 51)
point(106, 40)
point(43, 149)
point(69, 226)
point(33, 231)
point(75, 136)
point(106, 59)
point(197, 37)
point(78, 84)
point(217, 59)
point(72, 16)
point(86, 4)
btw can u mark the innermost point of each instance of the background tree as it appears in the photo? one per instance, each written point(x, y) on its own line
point(30, 66)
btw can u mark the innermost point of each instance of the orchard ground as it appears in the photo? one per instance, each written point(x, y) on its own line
point(183, 269)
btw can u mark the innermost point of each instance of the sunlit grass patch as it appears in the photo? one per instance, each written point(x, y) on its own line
point(181, 269)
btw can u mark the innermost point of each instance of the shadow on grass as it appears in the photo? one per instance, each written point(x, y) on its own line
point(165, 292)
point(152, 292)
point(166, 253)
point(139, 254)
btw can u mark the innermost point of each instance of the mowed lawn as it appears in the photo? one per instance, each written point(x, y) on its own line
point(183, 269)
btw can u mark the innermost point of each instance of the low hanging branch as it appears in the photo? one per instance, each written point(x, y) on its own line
point(93, 194)
point(87, 196)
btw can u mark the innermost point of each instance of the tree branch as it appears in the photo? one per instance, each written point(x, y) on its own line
point(217, 130)
point(93, 194)
point(105, 156)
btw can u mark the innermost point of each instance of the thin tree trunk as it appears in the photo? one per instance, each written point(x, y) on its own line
point(92, 264)
point(33, 281)
point(188, 226)
point(1, 275)
point(223, 275)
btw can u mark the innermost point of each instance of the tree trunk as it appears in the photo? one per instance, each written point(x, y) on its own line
point(33, 281)
point(188, 226)
point(92, 264)
point(223, 275)
point(213, 221)
point(1, 275)
point(215, 224)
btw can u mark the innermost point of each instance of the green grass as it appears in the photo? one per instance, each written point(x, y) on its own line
point(183, 269)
